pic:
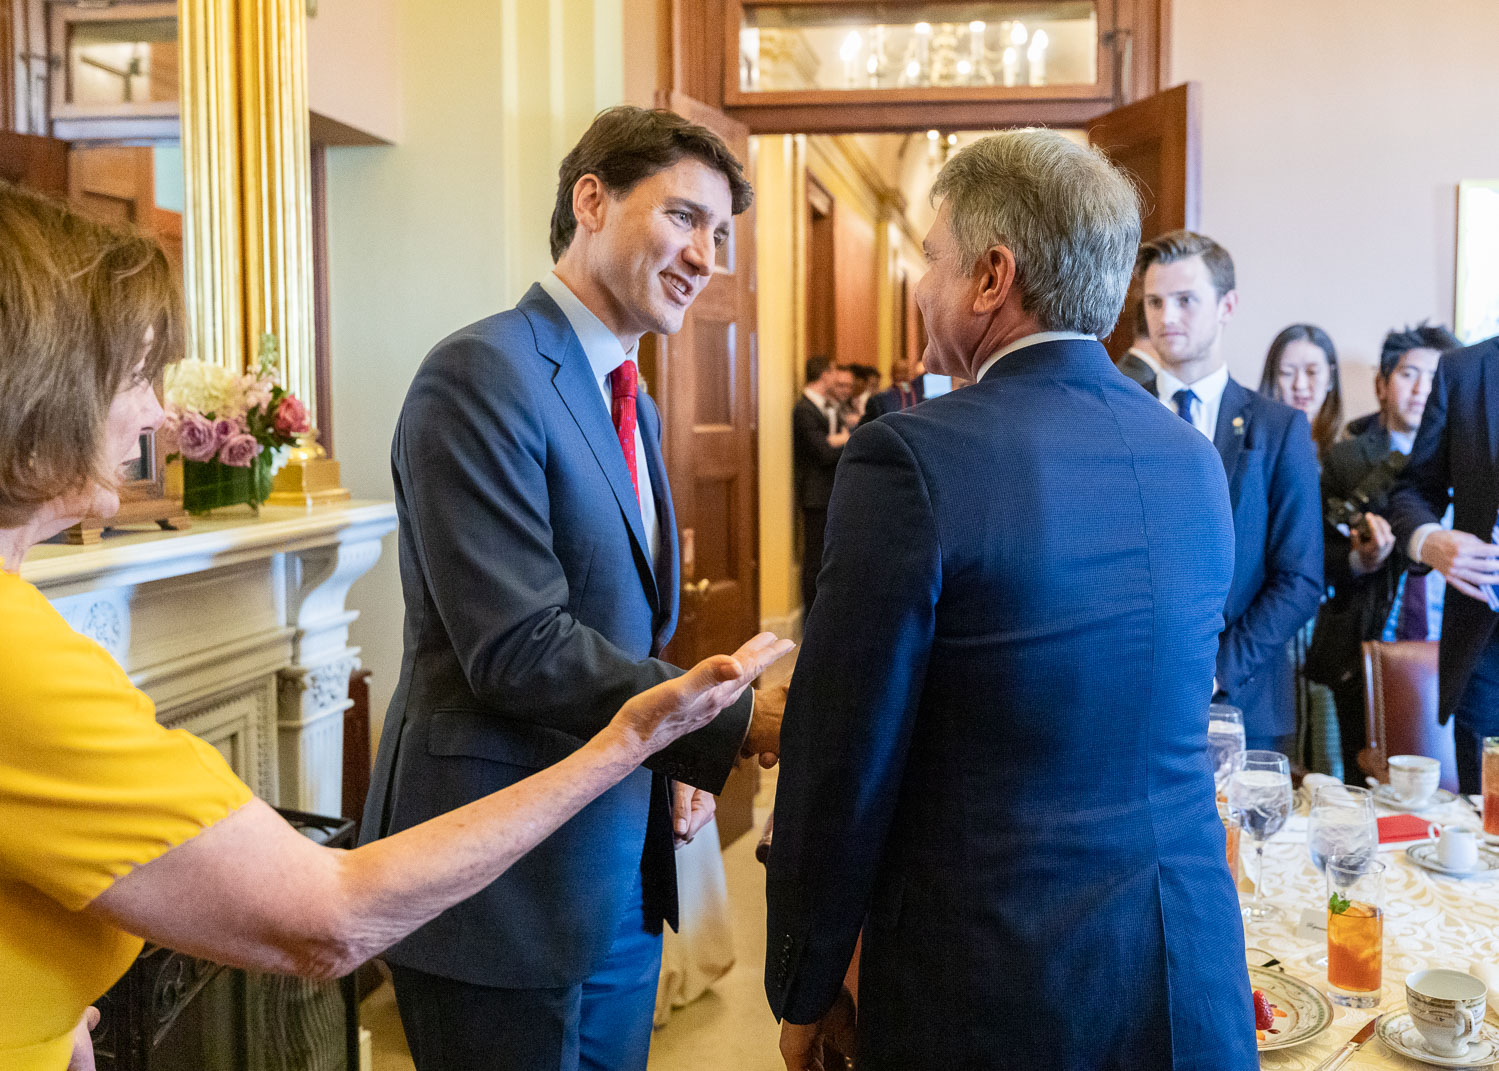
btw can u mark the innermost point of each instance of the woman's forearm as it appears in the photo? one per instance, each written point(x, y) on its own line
point(252, 892)
point(391, 886)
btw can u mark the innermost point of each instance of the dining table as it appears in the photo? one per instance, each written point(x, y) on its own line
point(1431, 920)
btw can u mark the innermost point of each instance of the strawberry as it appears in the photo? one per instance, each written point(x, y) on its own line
point(1264, 1011)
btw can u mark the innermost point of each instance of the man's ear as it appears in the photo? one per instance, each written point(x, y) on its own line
point(996, 277)
point(589, 203)
point(1228, 304)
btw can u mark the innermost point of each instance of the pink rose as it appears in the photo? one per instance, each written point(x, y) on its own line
point(291, 417)
point(197, 438)
point(240, 451)
point(225, 429)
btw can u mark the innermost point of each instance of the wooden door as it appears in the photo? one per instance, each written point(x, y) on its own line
point(36, 162)
point(704, 379)
point(1158, 141)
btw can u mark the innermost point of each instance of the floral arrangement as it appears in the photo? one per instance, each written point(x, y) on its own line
point(214, 414)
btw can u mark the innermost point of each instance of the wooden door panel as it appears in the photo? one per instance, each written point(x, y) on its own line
point(1158, 141)
point(704, 378)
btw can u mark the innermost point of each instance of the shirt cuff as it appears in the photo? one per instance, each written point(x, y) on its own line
point(1356, 564)
point(1418, 540)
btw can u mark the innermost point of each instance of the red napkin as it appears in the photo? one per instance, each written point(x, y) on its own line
point(1399, 827)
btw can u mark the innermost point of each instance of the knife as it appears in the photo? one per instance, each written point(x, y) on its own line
point(1339, 1058)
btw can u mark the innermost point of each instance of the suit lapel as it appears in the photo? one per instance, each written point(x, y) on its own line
point(580, 393)
point(1489, 392)
point(1228, 437)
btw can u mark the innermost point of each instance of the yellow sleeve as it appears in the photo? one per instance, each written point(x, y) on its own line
point(91, 786)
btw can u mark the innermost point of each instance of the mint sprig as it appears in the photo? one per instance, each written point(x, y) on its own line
point(1338, 904)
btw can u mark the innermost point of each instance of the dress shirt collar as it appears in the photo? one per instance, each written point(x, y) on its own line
point(816, 398)
point(600, 345)
point(1209, 390)
point(1402, 441)
point(1028, 341)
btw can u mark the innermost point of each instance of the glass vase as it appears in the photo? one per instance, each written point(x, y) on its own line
point(210, 485)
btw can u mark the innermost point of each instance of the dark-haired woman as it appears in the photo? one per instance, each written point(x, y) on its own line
point(1301, 370)
point(113, 828)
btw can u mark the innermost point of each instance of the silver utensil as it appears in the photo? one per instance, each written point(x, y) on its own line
point(1341, 1057)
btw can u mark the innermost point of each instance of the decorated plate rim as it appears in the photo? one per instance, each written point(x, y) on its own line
point(1313, 1013)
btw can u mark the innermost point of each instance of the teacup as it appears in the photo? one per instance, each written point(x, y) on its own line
point(1447, 1007)
point(1457, 849)
point(1414, 778)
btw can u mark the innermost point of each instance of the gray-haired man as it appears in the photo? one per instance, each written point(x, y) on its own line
point(993, 749)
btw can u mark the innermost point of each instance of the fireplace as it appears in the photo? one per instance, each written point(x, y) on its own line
point(172, 1012)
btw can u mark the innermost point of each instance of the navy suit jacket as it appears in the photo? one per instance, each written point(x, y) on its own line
point(1456, 459)
point(533, 611)
point(994, 753)
point(1275, 487)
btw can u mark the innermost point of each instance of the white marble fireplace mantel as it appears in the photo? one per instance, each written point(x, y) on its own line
point(237, 630)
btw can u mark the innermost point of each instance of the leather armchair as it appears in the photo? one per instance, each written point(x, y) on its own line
point(1400, 708)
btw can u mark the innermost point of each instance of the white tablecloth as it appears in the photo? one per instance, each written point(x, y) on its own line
point(1430, 921)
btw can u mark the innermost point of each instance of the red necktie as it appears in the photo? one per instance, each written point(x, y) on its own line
point(622, 383)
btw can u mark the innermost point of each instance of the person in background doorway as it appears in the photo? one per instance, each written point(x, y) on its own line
point(1267, 452)
point(817, 440)
point(906, 389)
point(866, 381)
point(1372, 594)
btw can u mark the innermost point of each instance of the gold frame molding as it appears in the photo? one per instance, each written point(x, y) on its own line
point(247, 233)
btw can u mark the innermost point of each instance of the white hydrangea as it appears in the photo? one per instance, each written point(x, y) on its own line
point(204, 388)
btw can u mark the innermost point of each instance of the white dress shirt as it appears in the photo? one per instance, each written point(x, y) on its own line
point(828, 407)
point(605, 354)
point(1209, 391)
point(1029, 340)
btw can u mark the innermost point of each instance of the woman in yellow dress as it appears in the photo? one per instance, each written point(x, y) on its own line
point(113, 828)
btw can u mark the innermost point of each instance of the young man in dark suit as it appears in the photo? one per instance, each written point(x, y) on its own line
point(538, 556)
point(1190, 296)
point(1456, 461)
point(1365, 570)
point(817, 438)
point(994, 743)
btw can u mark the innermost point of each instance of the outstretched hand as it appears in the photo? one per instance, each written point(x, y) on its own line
point(679, 706)
point(1465, 561)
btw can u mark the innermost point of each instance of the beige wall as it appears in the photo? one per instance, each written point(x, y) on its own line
point(353, 68)
point(451, 224)
point(1334, 135)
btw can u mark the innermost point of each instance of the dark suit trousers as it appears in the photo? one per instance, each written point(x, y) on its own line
point(1477, 716)
point(601, 1024)
point(814, 524)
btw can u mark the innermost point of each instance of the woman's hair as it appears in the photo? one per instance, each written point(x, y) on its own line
point(77, 298)
point(1329, 419)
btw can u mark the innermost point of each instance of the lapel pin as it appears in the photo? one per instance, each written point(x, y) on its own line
point(1238, 425)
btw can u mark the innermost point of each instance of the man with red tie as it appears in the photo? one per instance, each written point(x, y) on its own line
point(538, 556)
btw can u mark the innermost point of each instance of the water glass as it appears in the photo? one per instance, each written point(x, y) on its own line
point(1342, 827)
point(1259, 796)
point(1355, 933)
point(1225, 740)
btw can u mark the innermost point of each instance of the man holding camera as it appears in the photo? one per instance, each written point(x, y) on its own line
point(1373, 594)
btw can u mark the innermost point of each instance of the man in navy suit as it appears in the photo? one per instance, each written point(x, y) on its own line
point(1455, 461)
point(1273, 481)
point(994, 757)
point(538, 556)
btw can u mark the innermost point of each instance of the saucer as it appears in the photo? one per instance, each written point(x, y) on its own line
point(1398, 1032)
point(1385, 796)
point(1424, 854)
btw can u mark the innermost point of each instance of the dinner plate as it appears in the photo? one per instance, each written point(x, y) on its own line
point(1398, 1032)
point(1307, 1011)
point(1385, 796)
point(1424, 854)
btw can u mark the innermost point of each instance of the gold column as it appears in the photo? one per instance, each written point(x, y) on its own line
point(213, 280)
point(277, 190)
